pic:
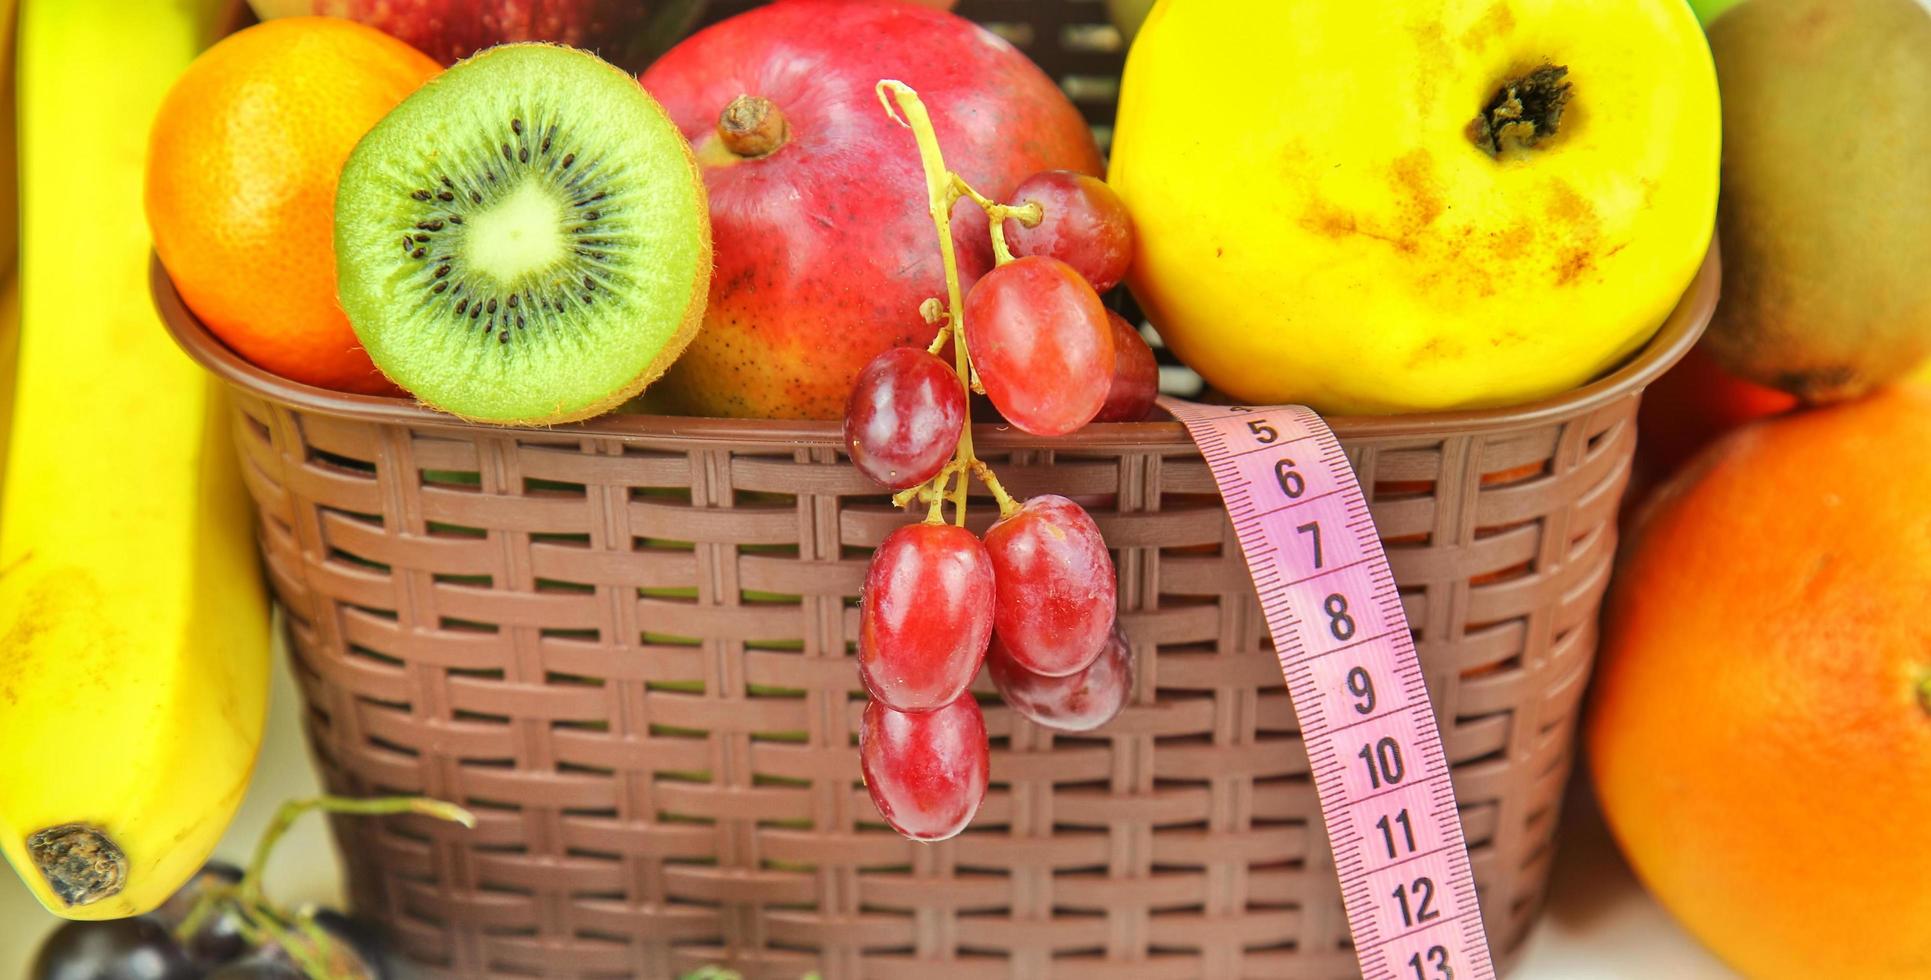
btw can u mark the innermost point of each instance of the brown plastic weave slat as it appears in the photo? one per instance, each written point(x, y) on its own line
point(625, 644)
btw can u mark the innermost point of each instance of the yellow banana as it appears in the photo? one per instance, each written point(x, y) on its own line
point(9, 231)
point(133, 628)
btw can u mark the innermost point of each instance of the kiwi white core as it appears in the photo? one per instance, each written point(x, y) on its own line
point(518, 236)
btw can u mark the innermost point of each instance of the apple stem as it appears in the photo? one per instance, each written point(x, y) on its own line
point(752, 126)
point(943, 190)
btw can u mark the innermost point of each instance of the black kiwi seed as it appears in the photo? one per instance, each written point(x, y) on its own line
point(422, 237)
point(420, 195)
point(441, 271)
point(445, 196)
point(476, 196)
point(523, 155)
point(492, 304)
point(589, 283)
point(448, 183)
point(511, 301)
point(439, 287)
point(418, 253)
point(455, 219)
point(592, 215)
point(519, 321)
point(506, 151)
point(503, 338)
point(476, 311)
point(490, 175)
point(462, 305)
point(516, 126)
point(568, 159)
point(408, 243)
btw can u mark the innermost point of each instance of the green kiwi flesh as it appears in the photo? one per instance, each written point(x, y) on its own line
point(524, 240)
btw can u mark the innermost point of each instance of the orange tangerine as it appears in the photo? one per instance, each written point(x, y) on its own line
point(241, 177)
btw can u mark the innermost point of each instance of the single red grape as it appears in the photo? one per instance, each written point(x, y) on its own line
point(926, 770)
point(903, 418)
point(925, 616)
point(1085, 225)
point(1078, 702)
point(1055, 585)
point(1136, 378)
point(1039, 338)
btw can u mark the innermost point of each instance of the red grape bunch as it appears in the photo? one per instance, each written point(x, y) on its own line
point(1036, 597)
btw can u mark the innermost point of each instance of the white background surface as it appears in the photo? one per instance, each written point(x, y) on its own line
point(1599, 924)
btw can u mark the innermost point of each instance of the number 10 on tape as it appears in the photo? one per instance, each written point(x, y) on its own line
point(1338, 627)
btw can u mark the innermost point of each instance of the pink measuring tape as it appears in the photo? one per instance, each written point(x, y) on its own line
point(1342, 638)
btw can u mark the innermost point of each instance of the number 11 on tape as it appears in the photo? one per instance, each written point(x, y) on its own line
point(1350, 665)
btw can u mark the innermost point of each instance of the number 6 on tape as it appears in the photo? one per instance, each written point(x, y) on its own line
point(1338, 627)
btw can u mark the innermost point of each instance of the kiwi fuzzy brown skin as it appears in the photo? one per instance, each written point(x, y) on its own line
point(1826, 127)
point(429, 171)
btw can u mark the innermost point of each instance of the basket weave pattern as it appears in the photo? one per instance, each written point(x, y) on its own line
point(630, 655)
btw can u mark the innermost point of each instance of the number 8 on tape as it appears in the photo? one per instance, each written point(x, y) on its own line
point(1335, 614)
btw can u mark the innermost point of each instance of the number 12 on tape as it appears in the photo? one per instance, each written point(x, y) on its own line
point(1350, 665)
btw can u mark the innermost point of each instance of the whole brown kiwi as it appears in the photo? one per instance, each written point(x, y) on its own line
point(1825, 210)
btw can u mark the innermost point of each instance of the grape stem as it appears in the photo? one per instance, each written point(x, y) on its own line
point(943, 189)
point(261, 922)
point(1028, 214)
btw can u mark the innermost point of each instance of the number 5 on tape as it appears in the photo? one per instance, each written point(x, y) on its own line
point(1338, 627)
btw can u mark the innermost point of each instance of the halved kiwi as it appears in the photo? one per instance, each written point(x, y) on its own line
point(524, 240)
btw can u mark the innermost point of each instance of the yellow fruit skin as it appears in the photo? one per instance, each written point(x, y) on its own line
point(133, 625)
point(9, 231)
point(1315, 226)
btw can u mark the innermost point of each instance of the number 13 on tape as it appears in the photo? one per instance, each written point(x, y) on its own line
point(1338, 627)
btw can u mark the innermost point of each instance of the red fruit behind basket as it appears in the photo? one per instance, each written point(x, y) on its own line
point(824, 245)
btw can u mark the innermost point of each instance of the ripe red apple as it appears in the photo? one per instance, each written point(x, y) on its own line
point(824, 245)
point(628, 33)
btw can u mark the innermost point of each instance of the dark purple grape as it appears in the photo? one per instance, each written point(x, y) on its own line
point(260, 966)
point(219, 938)
point(218, 941)
point(115, 949)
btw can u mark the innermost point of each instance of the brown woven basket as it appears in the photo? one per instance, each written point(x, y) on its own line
point(626, 645)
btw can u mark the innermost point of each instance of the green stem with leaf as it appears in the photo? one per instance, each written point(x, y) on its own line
point(261, 922)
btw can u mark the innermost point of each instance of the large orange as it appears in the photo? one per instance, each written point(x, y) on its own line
point(1761, 730)
point(241, 178)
